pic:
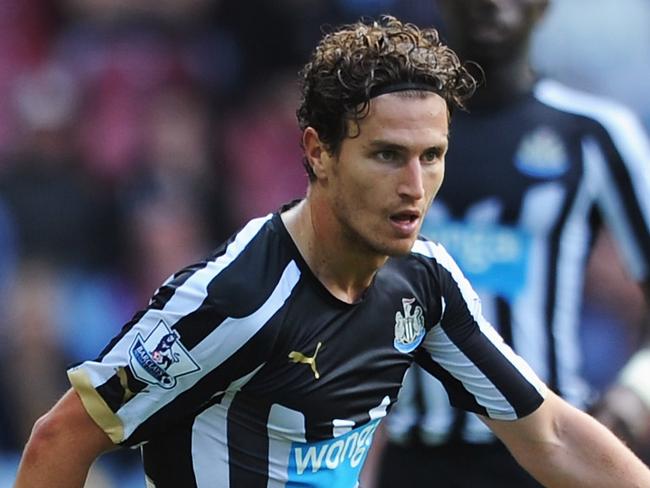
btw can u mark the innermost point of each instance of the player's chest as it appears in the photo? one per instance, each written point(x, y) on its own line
point(343, 361)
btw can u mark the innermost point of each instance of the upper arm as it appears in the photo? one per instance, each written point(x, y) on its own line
point(68, 422)
point(479, 370)
point(198, 337)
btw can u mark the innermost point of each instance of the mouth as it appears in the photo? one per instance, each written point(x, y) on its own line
point(406, 222)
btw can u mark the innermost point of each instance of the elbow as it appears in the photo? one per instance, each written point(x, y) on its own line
point(45, 436)
point(551, 440)
point(63, 444)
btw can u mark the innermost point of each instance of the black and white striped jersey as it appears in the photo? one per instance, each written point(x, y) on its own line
point(244, 371)
point(526, 189)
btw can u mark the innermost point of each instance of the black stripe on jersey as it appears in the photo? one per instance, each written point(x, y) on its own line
point(230, 293)
point(158, 302)
point(171, 468)
point(114, 390)
point(457, 426)
point(115, 393)
point(196, 325)
point(521, 395)
point(248, 458)
point(458, 396)
point(504, 315)
point(418, 398)
point(618, 170)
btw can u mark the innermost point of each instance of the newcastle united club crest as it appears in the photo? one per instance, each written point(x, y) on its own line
point(409, 326)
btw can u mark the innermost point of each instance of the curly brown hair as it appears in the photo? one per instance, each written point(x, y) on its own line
point(351, 63)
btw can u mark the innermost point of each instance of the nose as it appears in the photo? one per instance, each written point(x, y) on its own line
point(411, 184)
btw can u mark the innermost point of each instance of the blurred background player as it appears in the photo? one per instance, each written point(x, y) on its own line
point(534, 171)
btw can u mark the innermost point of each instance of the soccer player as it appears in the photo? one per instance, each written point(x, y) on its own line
point(534, 172)
point(272, 362)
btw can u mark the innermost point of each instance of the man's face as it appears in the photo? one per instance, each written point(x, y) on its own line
point(490, 30)
point(382, 181)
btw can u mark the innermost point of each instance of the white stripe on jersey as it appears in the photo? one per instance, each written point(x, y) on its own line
point(341, 427)
point(187, 298)
point(288, 422)
point(613, 209)
point(212, 351)
point(447, 354)
point(540, 209)
point(574, 243)
point(211, 462)
point(379, 412)
point(628, 135)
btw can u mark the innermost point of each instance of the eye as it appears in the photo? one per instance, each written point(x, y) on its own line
point(431, 156)
point(386, 155)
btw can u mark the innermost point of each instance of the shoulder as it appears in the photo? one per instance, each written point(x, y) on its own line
point(571, 99)
point(612, 115)
point(609, 119)
point(429, 250)
point(243, 272)
point(434, 254)
point(429, 261)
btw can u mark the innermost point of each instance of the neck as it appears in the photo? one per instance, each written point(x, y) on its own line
point(505, 82)
point(339, 265)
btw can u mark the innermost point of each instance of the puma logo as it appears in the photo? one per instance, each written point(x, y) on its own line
point(298, 357)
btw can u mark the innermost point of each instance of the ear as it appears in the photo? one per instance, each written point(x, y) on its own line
point(316, 153)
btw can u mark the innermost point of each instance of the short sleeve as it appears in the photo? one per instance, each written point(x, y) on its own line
point(171, 359)
point(479, 371)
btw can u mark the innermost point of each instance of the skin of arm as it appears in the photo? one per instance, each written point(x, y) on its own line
point(62, 447)
point(625, 407)
point(562, 446)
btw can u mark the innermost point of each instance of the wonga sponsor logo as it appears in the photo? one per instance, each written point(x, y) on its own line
point(494, 258)
point(333, 462)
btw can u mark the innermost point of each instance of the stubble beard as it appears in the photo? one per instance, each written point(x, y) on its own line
point(364, 243)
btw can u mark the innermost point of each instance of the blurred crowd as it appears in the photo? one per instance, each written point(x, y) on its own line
point(134, 136)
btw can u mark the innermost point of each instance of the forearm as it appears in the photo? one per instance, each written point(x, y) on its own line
point(586, 454)
point(564, 447)
point(635, 373)
point(625, 407)
point(51, 468)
